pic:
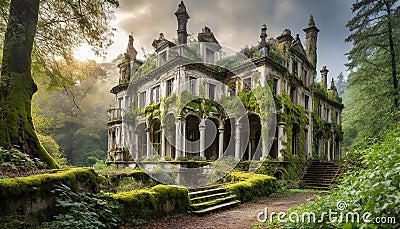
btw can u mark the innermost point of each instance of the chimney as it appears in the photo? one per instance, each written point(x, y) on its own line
point(182, 17)
point(263, 46)
point(311, 41)
point(324, 76)
point(286, 36)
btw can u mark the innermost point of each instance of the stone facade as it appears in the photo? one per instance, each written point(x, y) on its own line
point(283, 64)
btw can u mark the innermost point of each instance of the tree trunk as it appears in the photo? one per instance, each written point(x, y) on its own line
point(392, 57)
point(16, 83)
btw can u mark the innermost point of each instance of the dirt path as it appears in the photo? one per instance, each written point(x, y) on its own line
point(242, 216)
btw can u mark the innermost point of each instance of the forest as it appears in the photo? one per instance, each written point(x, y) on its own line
point(53, 116)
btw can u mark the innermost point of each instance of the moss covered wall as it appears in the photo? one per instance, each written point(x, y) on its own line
point(157, 201)
point(32, 196)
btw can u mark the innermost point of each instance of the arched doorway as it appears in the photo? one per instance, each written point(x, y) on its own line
point(141, 140)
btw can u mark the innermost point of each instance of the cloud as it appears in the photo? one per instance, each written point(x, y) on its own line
point(238, 23)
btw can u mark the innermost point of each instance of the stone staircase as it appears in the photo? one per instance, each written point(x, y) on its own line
point(321, 175)
point(208, 199)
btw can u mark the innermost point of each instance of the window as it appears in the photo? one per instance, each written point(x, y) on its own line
point(275, 86)
point(209, 56)
point(120, 103)
point(306, 102)
point(328, 114)
point(294, 66)
point(170, 86)
point(162, 58)
point(193, 85)
point(293, 95)
point(247, 82)
point(142, 99)
point(127, 101)
point(155, 92)
point(337, 117)
point(305, 77)
point(320, 110)
point(211, 91)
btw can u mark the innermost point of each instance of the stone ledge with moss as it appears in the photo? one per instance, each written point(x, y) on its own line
point(32, 195)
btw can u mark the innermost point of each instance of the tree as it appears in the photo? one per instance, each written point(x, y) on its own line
point(341, 84)
point(373, 30)
point(68, 24)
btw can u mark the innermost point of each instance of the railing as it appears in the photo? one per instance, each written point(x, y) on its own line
point(114, 114)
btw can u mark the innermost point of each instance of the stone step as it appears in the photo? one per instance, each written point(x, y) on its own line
point(209, 197)
point(216, 207)
point(206, 192)
point(215, 202)
point(195, 189)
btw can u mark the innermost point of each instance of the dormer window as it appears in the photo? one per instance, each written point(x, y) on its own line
point(209, 56)
point(247, 82)
point(162, 58)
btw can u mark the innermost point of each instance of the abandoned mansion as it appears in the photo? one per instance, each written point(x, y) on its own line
point(183, 101)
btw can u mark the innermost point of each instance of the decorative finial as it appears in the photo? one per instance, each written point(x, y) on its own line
point(311, 22)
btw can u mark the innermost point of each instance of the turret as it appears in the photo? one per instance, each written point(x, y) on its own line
point(182, 17)
point(324, 76)
point(311, 41)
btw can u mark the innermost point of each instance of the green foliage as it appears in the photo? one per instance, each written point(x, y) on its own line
point(250, 185)
point(371, 186)
point(16, 160)
point(53, 149)
point(147, 67)
point(83, 210)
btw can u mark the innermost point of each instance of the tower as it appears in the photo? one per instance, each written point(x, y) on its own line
point(182, 17)
point(263, 45)
point(324, 76)
point(311, 41)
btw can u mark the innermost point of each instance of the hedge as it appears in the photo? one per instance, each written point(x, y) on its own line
point(250, 185)
point(153, 202)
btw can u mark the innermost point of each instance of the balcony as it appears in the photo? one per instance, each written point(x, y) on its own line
point(114, 115)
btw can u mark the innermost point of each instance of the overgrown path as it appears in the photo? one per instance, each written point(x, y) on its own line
point(242, 216)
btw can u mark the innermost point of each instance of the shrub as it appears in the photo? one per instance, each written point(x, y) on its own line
point(371, 188)
point(250, 185)
point(83, 210)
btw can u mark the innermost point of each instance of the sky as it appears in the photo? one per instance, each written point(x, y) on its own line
point(235, 23)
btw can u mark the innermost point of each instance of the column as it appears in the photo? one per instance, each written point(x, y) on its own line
point(177, 137)
point(148, 144)
point(264, 149)
point(162, 144)
point(237, 142)
point(221, 143)
point(249, 147)
point(281, 138)
point(136, 146)
point(183, 139)
point(202, 129)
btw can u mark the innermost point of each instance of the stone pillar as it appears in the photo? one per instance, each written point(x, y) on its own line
point(281, 138)
point(221, 143)
point(148, 144)
point(237, 142)
point(162, 143)
point(264, 151)
point(177, 137)
point(202, 129)
point(136, 146)
point(183, 138)
point(249, 148)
